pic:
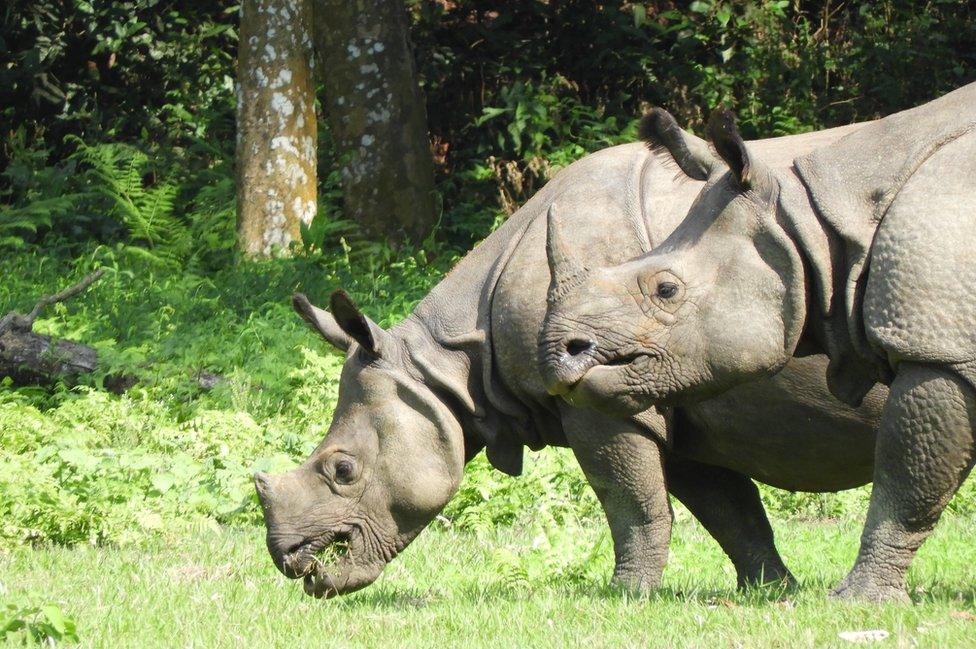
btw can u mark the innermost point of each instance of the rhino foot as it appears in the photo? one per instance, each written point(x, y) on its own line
point(634, 584)
point(768, 575)
point(863, 588)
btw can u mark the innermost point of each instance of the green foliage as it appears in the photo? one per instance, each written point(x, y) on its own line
point(23, 622)
point(785, 66)
point(116, 194)
point(81, 465)
point(538, 121)
point(31, 192)
point(116, 173)
point(115, 70)
point(551, 489)
point(516, 90)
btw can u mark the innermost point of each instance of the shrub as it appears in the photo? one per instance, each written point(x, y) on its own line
point(22, 621)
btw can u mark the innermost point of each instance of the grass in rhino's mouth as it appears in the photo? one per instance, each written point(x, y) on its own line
point(332, 552)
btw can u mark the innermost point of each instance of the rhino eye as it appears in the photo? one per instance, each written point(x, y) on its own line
point(344, 471)
point(667, 290)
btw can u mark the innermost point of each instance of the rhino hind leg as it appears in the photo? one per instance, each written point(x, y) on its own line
point(728, 506)
point(925, 450)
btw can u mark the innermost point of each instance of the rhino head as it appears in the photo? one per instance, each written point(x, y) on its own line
point(718, 302)
point(391, 460)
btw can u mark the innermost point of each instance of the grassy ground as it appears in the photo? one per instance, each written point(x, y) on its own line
point(218, 588)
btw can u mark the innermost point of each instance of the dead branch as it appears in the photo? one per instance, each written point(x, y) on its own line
point(28, 357)
point(26, 322)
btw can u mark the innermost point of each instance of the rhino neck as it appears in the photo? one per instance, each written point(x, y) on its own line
point(448, 343)
point(827, 329)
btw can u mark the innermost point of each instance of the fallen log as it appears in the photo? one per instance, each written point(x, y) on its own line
point(32, 358)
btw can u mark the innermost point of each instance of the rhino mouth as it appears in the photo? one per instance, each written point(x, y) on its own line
point(608, 378)
point(612, 364)
point(332, 565)
point(302, 558)
point(627, 359)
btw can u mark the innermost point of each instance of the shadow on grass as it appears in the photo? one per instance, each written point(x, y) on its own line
point(399, 598)
point(394, 597)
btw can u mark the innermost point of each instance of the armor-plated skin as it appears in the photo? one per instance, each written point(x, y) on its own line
point(860, 250)
point(459, 375)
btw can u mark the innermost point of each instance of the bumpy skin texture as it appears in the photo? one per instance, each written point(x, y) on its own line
point(460, 375)
point(624, 467)
point(861, 251)
point(922, 284)
point(920, 309)
point(925, 451)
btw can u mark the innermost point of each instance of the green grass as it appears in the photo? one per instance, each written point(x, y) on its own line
point(218, 588)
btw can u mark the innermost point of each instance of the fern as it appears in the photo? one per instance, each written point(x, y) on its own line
point(145, 205)
point(32, 193)
point(167, 219)
point(16, 221)
point(212, 216)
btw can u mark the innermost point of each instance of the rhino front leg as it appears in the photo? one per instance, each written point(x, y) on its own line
point(727, 504)
point(924, 452)
point(625, 468)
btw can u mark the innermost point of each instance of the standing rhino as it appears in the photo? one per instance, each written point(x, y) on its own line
point(861, 250)
point(460, 375)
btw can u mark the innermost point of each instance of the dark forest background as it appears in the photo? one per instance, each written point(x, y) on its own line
point(514, 90)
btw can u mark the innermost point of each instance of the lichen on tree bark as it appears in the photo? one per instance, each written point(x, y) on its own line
point(377, 115)
point(276, 130)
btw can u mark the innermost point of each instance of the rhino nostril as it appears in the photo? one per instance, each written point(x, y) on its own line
point(577, 346)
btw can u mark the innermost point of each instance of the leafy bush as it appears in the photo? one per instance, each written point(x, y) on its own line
point(551, 489)
point(22, 621)
point(115, 193)
point(132, 69)
point(81, 465)
point(515, 89)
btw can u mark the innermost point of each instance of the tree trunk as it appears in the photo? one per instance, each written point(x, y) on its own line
point(377, 115)
point(276, 139)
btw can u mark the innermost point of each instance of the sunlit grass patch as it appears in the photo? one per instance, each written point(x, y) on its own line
point(218, 587)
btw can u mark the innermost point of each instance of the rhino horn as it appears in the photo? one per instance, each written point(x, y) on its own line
point(564, 268)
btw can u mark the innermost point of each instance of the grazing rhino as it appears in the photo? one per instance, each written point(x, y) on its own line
point(459, 375)
point(861, 250)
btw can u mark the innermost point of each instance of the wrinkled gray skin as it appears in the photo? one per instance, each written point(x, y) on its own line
point(861, 250)
point(460, 375)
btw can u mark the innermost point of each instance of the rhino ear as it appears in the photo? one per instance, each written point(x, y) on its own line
point(322, 321)
point(370, 336)
point(659, 128)
point(731, 147)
